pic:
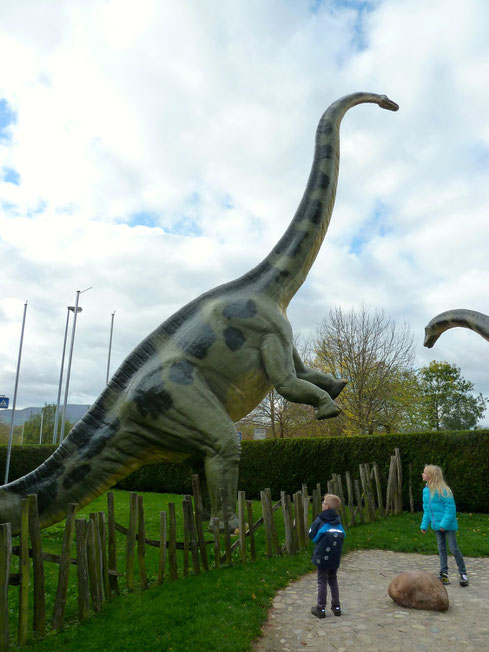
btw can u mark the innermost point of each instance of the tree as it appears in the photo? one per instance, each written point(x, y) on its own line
point(32, 427)
point(376, 357)
point(449, 401)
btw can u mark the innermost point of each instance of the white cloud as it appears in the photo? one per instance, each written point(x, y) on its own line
point(202, 116)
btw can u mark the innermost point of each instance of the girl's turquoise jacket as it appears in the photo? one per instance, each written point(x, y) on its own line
point(439, 511)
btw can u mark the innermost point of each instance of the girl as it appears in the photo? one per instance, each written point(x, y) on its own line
point(440, 512)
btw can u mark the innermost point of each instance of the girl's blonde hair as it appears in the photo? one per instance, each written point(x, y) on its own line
point(436, 482)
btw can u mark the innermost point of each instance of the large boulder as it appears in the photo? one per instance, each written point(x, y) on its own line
point(418, 590)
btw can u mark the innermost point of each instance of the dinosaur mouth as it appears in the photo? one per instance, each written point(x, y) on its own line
point(386, 103)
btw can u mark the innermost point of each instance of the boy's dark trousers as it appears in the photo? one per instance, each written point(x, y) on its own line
point(328, 576)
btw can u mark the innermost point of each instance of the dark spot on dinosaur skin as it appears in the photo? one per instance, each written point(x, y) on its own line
point(101, 436)
point(199, 341)
point(324, 151)
point(77, 475)
point(150, 396)
point(181, 372)
point(314, 211)
point(234, 338)
point(240, 309)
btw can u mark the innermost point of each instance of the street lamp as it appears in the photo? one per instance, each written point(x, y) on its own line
point(70, 358)
point(9, 448)
point(110, 346)
point(56, 416)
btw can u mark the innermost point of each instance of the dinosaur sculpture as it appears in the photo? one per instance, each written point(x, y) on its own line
point(476, 321)
point(175, 397)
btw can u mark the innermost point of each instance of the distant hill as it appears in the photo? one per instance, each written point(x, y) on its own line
point(73, 413)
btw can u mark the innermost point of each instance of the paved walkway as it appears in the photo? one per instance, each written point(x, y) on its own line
point(371, 620)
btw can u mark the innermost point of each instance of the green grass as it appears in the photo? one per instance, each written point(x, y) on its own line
point(216, 610)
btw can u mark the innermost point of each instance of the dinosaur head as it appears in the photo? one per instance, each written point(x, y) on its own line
point(430, 337)
point(386, 103)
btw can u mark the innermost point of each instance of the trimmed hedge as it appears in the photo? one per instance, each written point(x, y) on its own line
point(286, 464)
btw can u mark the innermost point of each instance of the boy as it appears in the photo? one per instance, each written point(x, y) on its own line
point(328, 534)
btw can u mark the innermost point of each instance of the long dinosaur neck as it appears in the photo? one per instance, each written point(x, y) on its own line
point(475, 321)
point(285, 268)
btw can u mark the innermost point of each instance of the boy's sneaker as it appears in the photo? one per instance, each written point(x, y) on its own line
point(318, 612)
point(336, 610)
point(464, 580)
point(443, 577)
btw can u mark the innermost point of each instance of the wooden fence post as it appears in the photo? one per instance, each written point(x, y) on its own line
point(266, 524)
point(214, 524)
point(64, 568)
point(273, 527)
point(92, 566)
point(131, 540)
point(172, 541)
point(378, 486)
point(411, 500)
point(305, 511)
point(23, 571)
point(93, 516)
point(186, 536)
point(359, 499)
point(288, 527)
point(82, 568)
point(365, 493)
point(351, 502)
point(225, 521)
point(194, 546)
point(102, 530)
point(39, 621)
point(112, 552)
point(341, 496)
point(242, 525)
point(5, 557)
point(162, 555)
point(299, 519)
point(371, 497)
point(391, 485)
point(249, 509)
point(143, 577)
point(397, 453)
point(199, 508)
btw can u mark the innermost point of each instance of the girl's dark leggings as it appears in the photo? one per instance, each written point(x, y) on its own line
point(328, 576)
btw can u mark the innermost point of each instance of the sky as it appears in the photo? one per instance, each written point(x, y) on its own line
point(153, 150)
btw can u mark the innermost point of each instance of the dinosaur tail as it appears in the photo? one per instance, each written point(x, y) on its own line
point(99, 451)
point(475, 321)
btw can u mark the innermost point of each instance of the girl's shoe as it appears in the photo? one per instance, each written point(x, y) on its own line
point(464, 580)
point(443, 577)
point(336, 610)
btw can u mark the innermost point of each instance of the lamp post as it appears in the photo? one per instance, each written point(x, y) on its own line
point(40, 429)
point(56, 416)
point(9, 449)
point(110, 346)
point(70, 358)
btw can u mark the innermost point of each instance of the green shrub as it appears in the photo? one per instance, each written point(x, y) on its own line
point(286, 464)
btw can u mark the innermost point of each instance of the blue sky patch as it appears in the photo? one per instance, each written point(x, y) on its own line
point(143, 218)
point(376, 226)
point(11, 176)
point(7, 117)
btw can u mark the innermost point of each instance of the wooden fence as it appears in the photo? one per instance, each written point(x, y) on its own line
point(97, 574)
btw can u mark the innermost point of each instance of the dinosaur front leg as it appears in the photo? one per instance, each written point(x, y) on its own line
point(329, 383)
point(279, 365)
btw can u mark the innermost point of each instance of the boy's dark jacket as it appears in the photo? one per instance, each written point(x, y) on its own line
point(328, 535)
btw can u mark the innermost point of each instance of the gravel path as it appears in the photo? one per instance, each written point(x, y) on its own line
point(371, 620)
